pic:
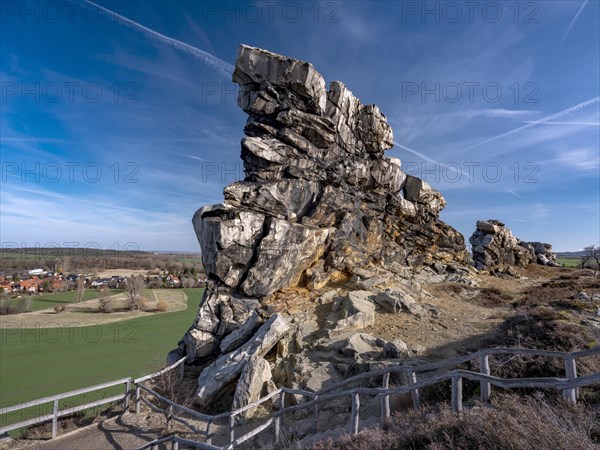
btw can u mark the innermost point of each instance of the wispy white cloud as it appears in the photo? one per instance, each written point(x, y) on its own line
point(581, 159)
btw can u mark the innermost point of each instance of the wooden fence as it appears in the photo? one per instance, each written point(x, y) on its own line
point(54, 399)
point(567, 385)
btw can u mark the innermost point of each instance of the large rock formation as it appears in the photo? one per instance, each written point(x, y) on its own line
point(319, 201)
point(493, 244)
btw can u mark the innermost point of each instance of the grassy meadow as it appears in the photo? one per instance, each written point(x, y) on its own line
point(42, 361)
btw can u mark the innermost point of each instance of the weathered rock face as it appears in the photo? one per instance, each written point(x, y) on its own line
point(319, 200)
point(493, 244)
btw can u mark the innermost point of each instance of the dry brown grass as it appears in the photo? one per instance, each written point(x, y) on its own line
point(514, 423)
point(482, 296)
point(162, 305)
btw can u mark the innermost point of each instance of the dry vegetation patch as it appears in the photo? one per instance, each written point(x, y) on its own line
point(514, 422)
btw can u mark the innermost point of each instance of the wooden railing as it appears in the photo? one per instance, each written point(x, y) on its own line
point(54, 399)
point(56, 413)
point(567, 385)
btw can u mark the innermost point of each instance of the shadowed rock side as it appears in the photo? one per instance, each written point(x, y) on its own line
point(493, 244)
point(319, 202)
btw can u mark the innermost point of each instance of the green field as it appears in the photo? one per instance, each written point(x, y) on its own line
point(569, 262)
point(190, 260)
point(49, 300)
point(40, 362)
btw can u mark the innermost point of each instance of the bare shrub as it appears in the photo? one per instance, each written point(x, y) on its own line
point(135, 288)
point(7, 306)
point(518, 423)
point(170, 386)
point(104, 301)
point(59, 308)
point(23, 305)
point(162, 305)
point(142, 303)
point(104, 305)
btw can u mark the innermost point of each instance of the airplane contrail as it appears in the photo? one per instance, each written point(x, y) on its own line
point(573, 21)
point(219, 65)
point(543, 120)
point(588, 124)
point(428, 159)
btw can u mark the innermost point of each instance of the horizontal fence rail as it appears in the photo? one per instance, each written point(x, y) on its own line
point(54, 399)
point(568, 385)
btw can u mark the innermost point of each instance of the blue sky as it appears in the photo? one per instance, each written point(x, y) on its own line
point(113, 135)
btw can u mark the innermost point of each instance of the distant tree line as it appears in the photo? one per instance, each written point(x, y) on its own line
point(87, 260)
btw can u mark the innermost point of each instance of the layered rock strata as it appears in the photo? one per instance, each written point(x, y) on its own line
point(319, 202)
point(494, 244)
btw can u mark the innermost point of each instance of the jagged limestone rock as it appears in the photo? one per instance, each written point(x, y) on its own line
point(319, 200)
point(229, 366)
point(353, 311)
point(494, 244)
point(254, 379)
point(396, 349)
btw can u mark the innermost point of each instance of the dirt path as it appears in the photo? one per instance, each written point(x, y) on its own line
point(114, 433)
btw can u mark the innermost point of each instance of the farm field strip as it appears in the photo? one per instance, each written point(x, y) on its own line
point(37, 362)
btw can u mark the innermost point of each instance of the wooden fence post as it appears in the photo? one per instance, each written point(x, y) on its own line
point(138, 398)
point(279, 420)
point(316, 414)
point(127, 394)
point(456, 393)
point(571, 369)
point(410, 379)
point(231, 429)
point(484, 386)
point(385, 399)
point(55, 419)
point(169, 417)
point(208, 432)
point(355, 414)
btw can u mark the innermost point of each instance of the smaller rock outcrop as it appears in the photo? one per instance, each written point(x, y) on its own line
point(494, 244)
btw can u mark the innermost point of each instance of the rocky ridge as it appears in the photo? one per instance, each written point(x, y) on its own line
point(322, 216)
point(494, 244)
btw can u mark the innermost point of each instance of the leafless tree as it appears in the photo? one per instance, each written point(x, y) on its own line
point(79, 289)
point(591, 258)
point(135, 288)
point(64, 264)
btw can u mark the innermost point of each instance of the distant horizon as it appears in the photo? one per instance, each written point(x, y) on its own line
point(199, 252)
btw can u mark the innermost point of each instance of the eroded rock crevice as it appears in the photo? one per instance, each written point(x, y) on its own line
point(323, 216)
